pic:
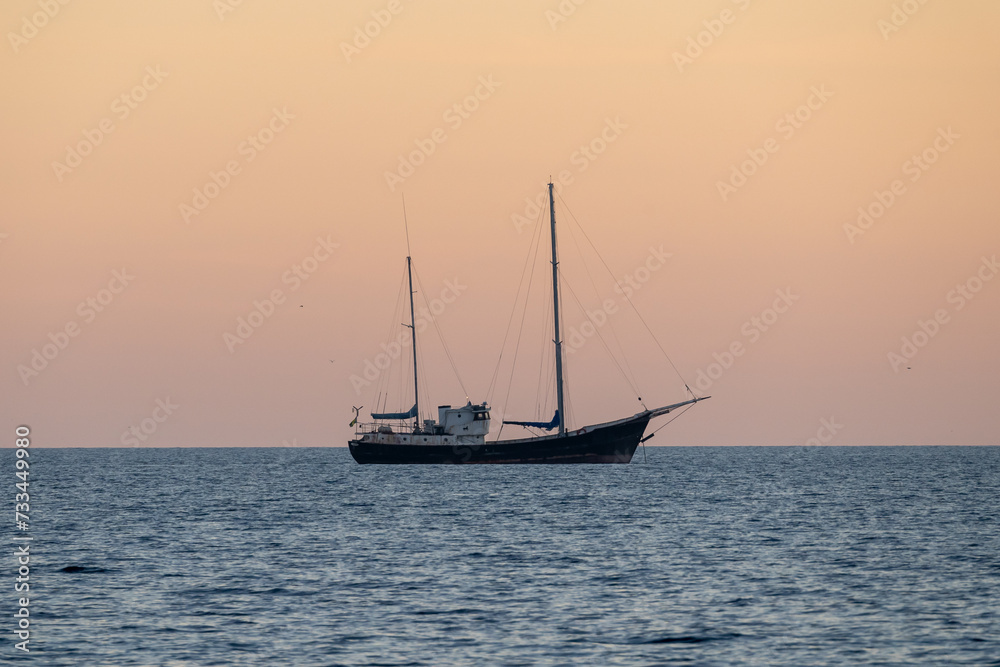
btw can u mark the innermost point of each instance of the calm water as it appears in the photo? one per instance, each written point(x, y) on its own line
point(778, 556)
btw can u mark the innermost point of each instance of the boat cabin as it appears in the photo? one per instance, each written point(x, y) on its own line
point(467, 420)
point(466, 425)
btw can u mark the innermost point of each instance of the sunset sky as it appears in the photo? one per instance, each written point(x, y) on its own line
point(169, 164)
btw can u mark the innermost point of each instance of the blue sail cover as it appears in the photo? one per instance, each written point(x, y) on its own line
point(548, 426)
point(396, 415)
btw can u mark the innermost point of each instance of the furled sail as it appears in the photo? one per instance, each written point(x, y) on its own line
point(396, 415)
point(548, 426)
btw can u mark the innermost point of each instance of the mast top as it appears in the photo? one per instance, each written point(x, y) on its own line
point(406, 225)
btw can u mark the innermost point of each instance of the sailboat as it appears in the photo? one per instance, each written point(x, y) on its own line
point(459, 433)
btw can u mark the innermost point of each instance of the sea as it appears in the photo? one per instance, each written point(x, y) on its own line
point(687, 556)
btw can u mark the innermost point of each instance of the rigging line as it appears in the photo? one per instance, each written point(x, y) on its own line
point(405, 366)
point(382, 385)
point(404, 381)
point(406, 374)
point(593, 285)
point(549, 363)
point(549, 359)
point(543, 361)
point(407, 359)
point(517, 301)
point(424, 387)
point(399, 328)
point(566, 383)
point(444, 343)
point(392, 322)
point(634, 309)
point(550, 399)
point(513, 310)
point(668, 422)
point(413, 325)
point(550, 385)
point(520, 330)
point(406, 225)
point(568, 395)
point(546, 363)
point(413, 333)
point(603, 342)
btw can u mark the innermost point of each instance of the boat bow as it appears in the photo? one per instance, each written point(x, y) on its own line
point(657, 412)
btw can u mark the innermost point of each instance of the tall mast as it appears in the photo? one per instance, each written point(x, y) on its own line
point(555, 310)
point(413, 331)
point(413, 323)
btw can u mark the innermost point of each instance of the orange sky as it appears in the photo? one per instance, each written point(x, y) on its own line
point(292, 134)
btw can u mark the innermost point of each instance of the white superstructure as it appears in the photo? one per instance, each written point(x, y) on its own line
point(467, 425)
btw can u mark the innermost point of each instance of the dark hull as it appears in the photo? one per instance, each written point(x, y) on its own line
point(609, 443)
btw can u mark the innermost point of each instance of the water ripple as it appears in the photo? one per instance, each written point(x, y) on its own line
point(770, 556)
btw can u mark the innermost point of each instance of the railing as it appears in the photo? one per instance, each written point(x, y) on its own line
point(397, 426)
